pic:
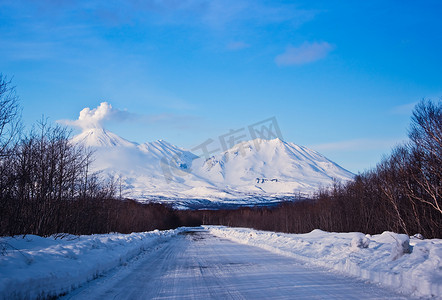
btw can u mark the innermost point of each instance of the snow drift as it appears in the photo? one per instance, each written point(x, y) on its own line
point(34, 267)
point(410, 266)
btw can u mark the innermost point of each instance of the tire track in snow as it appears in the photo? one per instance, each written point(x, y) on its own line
point(197, 265)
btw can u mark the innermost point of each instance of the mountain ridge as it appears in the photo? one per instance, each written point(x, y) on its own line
point(251, 171)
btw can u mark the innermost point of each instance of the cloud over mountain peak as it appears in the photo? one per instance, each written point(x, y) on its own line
point(95, 117)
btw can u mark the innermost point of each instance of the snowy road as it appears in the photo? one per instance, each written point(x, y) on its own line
point(197, 265)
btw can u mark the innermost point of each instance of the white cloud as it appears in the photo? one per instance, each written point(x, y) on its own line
point(94, 118)
point(304, 54)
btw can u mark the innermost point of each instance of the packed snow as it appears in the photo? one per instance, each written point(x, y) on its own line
point(36, 267)
point(257, 171)
point(33, 267)
point(409, 265)
point(198, 265)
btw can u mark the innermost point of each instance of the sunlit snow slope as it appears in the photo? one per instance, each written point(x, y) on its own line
point(270, 167)
point(258, 171)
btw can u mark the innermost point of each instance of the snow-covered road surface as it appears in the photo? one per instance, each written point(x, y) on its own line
point(198, 265)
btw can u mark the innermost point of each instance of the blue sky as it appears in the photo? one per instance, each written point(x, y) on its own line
point(340, 77)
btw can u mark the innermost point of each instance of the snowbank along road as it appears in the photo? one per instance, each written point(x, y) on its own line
point(197, 265)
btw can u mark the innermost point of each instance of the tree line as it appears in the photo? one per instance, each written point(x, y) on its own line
point(46, 187)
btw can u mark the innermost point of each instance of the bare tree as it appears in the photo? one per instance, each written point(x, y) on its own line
point(426, 146)
point(10, 114)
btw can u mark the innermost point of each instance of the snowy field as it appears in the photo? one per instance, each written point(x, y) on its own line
point(34, 267)
point(409, 266)
point(186, 260)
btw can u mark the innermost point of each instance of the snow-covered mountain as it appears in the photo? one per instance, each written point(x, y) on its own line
point(99, 137)
point(271, 166)
point(250, 172)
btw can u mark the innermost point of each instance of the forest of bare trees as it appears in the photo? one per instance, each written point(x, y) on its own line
point(46, 187)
